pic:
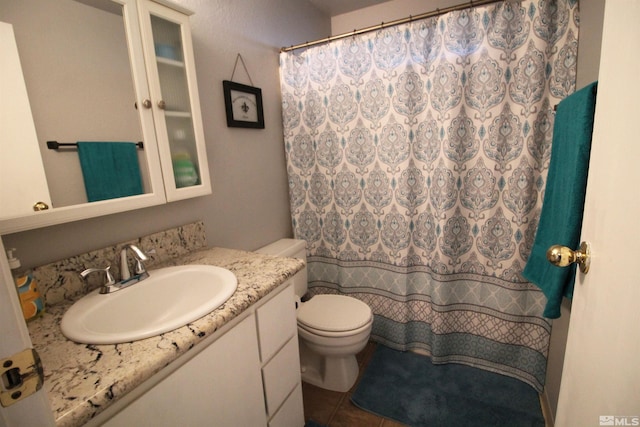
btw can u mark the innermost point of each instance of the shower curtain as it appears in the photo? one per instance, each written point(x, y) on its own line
point(417, 156)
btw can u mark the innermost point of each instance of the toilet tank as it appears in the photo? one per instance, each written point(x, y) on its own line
point(291, 248)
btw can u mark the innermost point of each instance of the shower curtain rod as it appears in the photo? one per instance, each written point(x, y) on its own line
point(437, 12)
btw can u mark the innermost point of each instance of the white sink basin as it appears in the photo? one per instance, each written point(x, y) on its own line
point(169, 298)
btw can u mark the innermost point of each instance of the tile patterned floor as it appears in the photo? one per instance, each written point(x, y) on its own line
point(334, 409)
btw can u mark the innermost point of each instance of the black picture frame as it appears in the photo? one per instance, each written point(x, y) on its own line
point(243, 105)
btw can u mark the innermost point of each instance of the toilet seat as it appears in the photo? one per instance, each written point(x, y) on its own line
point(334, 315)
point(340, 334)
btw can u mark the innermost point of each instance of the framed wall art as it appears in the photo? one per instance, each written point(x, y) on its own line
point(244, 105)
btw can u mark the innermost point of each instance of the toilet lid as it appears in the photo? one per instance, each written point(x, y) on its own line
point(334, 313)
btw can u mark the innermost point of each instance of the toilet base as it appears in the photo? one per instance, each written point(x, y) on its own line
point(336, 373)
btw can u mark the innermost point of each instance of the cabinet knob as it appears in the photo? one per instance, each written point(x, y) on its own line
point(146, 103)
point(161, 104)
point(40, 206)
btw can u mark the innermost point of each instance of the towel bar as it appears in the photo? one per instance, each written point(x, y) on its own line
point(54, 145)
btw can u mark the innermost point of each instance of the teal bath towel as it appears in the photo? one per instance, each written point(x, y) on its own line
point(563, 204)
point(110, 169)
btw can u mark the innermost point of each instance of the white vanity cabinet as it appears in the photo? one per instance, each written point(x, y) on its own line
point(248, 376)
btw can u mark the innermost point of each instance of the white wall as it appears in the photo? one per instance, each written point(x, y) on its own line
point(249, 206)
point(591, 17)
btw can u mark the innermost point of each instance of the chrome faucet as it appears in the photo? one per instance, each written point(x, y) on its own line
point(126, 279)
point(140, 272)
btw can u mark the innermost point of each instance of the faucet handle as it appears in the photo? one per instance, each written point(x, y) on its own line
point(110, 280)
point(140, 268)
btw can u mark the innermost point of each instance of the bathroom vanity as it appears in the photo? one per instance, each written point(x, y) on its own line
point(224, 384)
point(238, 365)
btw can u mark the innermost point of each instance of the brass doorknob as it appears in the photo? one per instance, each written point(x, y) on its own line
point(562, 256)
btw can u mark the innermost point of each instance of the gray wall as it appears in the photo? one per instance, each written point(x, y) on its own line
point(249, 206)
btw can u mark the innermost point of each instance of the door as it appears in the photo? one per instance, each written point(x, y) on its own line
point(601, 376)
point(33, 410)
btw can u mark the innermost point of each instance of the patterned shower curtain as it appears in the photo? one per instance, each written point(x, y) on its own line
point(417, 158)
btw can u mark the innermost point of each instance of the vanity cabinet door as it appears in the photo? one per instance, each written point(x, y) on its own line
point(221, 386)
point(175, 103)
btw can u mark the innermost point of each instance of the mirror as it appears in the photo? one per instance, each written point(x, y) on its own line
point(76, 66)
point(75, 63)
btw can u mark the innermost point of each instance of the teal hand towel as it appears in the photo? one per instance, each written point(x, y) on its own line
point(561, 216)
point(110, 169)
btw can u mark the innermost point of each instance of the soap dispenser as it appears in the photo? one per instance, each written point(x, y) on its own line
point(30, 298)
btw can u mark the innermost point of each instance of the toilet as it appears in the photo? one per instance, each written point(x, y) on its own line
point(332, 329)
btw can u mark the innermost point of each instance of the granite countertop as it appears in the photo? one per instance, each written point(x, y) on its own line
point(82, 380)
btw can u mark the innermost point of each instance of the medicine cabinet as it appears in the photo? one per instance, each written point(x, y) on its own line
point(102, 70)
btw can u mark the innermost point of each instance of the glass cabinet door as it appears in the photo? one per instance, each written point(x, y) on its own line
point(175, 101)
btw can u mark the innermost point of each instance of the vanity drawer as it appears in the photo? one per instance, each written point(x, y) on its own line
point(276, 323)
point(291, 413)
point(281, 375)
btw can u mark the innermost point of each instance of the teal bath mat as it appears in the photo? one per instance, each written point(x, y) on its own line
point(408, 388)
